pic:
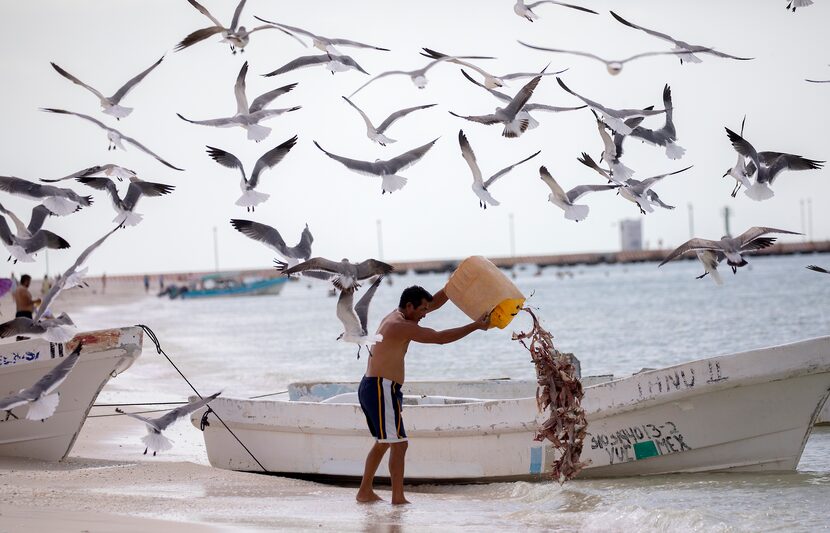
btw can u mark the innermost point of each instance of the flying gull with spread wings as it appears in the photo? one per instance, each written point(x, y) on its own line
point(479, 186)
point(355, 318)
point(109, 169)
point(251, 198)
point(565, 200)
point(59, 200)
point(508, 116)
point(25, 231)
point(325, 44)
point(525, 10)
point(111, 104)
point(333, 63)
point(125, 207)
point(248, 116)
point(376, 134)
point(637, 191)
point(345, 275)
point(270, 237)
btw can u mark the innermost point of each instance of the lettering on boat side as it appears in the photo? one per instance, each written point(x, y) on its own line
point(15, 358)
point(668, 381)
point(715, 374)
point(640, 442)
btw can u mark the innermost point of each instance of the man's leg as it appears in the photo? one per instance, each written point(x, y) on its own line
point(396, 467)
point(366, 493)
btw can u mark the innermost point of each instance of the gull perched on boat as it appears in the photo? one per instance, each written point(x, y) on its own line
point(39, 214)
point(325, 44)
point(41, 397)
point(524, 9)
point(637, 191)
point(614, 118)
point(251, 198)
point(665, 136)
point(767, 165)
point(479, 186)
point(42, 324)
point(732, 247)
point(23, 248)
point(682, 47)
point(387, 169)
point(613, 66)
point(236, 36)
point(355, 318)
point(376, 134)
point(345, 274)
point(270, 237)
point(816, 268)
point(115, 137)
point(111, 104)
point(110, 169)
point(740, 172)
point(418, 76)
point(524, 113)
point(58, 200)
point(247, 116)
point(565, 200)
point(334, 63)
point(154, 439)
point(124, 207)
point(507, 116)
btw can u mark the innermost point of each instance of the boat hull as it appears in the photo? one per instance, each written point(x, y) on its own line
point(258, 288)
point(106, 353)
point(743, 412)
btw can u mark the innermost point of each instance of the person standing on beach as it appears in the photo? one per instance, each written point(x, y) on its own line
point(23, 301)
point(146, 283)
point(380, 389)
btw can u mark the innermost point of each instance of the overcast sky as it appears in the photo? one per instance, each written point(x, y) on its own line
point(436, 215)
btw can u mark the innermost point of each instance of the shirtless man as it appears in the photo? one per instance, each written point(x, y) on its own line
point(23, 300)
point(380, 389)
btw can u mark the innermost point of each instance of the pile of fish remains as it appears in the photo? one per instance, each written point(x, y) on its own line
point(560, 391)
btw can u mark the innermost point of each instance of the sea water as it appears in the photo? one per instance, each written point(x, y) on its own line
point(617, 319)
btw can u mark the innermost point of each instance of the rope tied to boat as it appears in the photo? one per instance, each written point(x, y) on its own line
point(560, 391)
point(151, 334)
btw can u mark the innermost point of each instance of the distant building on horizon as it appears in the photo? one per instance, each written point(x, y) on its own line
point(631, 235)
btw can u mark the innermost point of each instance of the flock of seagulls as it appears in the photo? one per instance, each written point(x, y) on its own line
point(755, 171)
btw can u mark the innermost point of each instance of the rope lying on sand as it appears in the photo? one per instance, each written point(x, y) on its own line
point(560, 391)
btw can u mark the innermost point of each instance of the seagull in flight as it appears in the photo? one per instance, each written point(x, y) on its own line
point(816, 268)
point(110, 169)
point(418, 76)
point(524, 113)
point(23, 248)
point(124, 207)
point(58, 200)
point(247, 116)
point(682, 47)
point(26, 231)
point(376, 134)
point(270, 237)
point(251, 198)
point(793, 4)
point(767, 165)
point(111, 104)
point(355, 318)
point(41, 397)
point(491, 81)
point(665, 136)
point(637, 192)
point(732, 247)
point(614, 118)
point(613, 66)
point(565, 200)
point(387, 169)
point(115, 137)
point(739, 172)
point(236, 36)
point(524, 9)
point(710, 260)
point(325, 44)
point(507, 116)
point(345, 275)
point(333, 63)
point(612, 150)
point(154, 439)
point(479, 186)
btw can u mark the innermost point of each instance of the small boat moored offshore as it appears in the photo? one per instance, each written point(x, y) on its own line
point(746, 412)
point(105, 354)
point(227, 285)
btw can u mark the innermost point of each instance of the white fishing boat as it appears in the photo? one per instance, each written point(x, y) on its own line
point(744, 412)
point(105, 354)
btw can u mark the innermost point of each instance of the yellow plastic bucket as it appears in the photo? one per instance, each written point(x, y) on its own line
point(478, 287)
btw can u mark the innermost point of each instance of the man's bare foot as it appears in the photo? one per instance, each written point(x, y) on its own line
point(369, 497)
point(400, 501)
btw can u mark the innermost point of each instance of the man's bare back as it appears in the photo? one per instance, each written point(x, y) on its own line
point(387, 355)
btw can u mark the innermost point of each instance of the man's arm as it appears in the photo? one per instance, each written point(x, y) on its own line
point(430, 336)
point(438, 299)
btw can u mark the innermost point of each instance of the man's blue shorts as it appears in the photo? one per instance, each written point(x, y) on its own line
point(381, 400)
